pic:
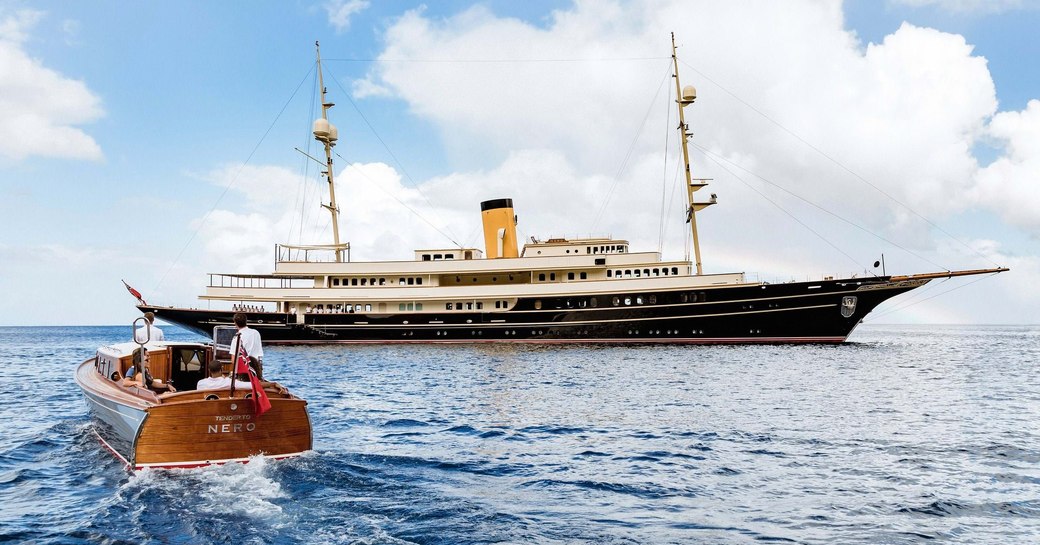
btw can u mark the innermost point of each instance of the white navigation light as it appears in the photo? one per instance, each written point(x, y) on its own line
point(689, 94)
point(321, 129)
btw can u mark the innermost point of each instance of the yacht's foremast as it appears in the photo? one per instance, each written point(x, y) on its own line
point(327, 134)
point(685, 96)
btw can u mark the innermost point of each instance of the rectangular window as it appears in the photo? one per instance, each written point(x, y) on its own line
point(418, 281)
point(363, 281)
point(410, 306)
point(584, 276)
point(368, 308)
point(426, 257)
point(552, 277)
point(637, 273)
point(447, 306)
point(541, 277)
point(664, 271)
point(570, 276)
point(382, 281)
point(449, 256)
point(675, 270)
point(437, 256)
point(353, 281)
point(657, 272)
point(335, 281)
point(400, 306)
point(411, 281)
point(498, 304)
point(400, 281)
point(588, 250)
point(610, 273)
point(480, 305)
point(418, 306)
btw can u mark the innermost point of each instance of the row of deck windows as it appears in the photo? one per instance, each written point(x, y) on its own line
point(437, 257)
point(636, 273)
point(617, 300)
point(468, 306)
point(409, 306)
point(570, 276)
point(338, 308)
point(412, 281)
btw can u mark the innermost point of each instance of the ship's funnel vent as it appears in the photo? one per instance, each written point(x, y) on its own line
point(499, 228)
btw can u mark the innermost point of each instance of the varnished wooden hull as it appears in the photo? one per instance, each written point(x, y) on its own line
point(187, 430)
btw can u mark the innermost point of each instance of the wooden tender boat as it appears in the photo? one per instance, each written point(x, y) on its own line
point(159, 428)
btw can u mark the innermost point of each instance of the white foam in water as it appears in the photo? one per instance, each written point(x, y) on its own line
point(241, 489)
point(246, 484)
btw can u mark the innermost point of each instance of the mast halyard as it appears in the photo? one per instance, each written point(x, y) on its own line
point(327, 134)
point(685, 96)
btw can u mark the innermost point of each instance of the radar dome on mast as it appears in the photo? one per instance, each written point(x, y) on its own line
point(689, 94)
point(322, 128)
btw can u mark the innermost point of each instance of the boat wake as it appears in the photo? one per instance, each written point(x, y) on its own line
point(245, 491)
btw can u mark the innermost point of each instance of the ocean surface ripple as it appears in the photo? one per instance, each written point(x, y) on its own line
point(909, 434)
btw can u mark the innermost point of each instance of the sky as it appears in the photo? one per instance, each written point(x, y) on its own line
point(156, 143)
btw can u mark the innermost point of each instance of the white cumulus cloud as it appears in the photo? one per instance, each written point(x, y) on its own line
point(39, 107)
point(569, 120)
point(340, 12)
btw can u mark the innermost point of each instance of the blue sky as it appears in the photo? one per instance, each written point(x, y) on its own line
point(152, 109)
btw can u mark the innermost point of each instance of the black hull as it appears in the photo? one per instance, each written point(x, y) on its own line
point(797, 312)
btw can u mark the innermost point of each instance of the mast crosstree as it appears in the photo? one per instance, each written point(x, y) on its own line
point(685, 96)
point(327, 134)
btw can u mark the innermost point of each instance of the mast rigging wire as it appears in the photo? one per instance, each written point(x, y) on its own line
point(628, 154)
point(232, 182)
point(838, 163)
point(664, 176)
point(718, 160)
point(955, 288)
point(399, 201)
point(301, 190)
point(777, 205)
point(397, 161)
point(490, 61)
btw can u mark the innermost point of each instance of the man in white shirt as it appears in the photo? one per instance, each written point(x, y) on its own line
point(216, 379)
point(250, 342)
point(148, 332)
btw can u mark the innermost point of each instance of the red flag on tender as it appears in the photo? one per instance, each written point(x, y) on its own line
point(134, 292)
point(261, 404)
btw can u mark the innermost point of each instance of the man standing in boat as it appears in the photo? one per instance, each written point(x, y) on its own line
point(250, 342)
point(148, 332)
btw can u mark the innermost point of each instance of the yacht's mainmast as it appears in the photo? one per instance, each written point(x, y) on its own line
point(684, 97)
point(327, 134)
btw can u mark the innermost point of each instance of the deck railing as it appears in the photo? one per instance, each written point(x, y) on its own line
point(257, 281)
point(313, 253)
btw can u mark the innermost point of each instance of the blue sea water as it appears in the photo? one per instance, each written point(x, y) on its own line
point(908, 434)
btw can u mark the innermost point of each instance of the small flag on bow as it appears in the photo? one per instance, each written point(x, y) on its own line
point(261, 404)
point(134, 292)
